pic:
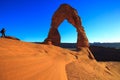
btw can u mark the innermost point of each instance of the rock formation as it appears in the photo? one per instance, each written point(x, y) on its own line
point(65, 11)
point(11, 37)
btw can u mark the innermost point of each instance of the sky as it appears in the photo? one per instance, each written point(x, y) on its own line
point(29, 20)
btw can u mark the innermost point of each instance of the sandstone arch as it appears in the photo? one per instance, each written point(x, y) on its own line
point(65, 11)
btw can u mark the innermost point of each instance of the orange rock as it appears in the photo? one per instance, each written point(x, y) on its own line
point(65, 11)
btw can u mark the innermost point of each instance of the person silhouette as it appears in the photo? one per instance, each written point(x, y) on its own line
point(3, 32)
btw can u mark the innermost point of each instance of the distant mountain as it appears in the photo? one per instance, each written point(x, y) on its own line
point(68, 45)
point(110, 45)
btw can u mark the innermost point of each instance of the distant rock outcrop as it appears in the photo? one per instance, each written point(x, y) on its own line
point(11, 37)
point(65, 11)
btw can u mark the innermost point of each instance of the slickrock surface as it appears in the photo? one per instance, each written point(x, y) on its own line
point(28, 61)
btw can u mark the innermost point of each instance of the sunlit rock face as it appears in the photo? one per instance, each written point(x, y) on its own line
point(65, 11)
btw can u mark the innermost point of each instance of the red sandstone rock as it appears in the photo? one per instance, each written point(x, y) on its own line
point(65, 11)
point(11, 37)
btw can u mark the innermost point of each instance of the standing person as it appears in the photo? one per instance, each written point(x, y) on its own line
point(3, 32)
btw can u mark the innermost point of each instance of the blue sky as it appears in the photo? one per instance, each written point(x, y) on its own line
point(30, 20)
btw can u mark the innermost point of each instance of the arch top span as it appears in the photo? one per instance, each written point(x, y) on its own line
point(65, 11)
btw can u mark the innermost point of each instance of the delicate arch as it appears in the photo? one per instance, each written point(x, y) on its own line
point(65, 11)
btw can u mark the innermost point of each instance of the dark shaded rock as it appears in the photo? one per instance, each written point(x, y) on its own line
point(105, 54)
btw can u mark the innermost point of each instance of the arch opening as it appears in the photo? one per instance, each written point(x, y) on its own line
point(67, 32)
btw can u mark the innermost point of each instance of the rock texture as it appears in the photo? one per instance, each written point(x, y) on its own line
point(53, 37)
point(28, 61)
point(65, 11)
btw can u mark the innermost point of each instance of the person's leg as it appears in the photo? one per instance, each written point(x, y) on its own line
point(3, 34)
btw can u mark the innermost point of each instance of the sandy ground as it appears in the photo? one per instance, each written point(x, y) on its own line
point(28, 61)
